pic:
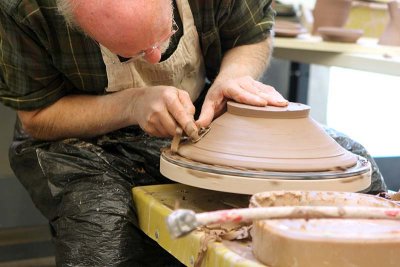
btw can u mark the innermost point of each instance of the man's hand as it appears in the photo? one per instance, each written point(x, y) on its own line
point(159, 110)
point(244, 90)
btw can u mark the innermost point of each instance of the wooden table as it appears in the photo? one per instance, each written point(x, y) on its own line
point(365, 55)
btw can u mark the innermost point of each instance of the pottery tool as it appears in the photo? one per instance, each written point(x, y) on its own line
point(183, 221)
point(193, 134)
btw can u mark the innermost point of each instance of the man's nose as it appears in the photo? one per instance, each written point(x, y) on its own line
point(154, 56)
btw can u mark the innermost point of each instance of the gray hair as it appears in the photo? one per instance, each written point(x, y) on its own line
point(66, 8)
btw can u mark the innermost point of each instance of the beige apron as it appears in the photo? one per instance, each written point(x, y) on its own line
point(184, 69)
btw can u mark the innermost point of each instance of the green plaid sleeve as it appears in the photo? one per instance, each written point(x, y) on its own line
point(249, 21)
point(225, 24)
point(28, 79)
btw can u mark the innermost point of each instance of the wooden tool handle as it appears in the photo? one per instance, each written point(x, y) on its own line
point(296, 212)
point(194, 135)
point(182, 222)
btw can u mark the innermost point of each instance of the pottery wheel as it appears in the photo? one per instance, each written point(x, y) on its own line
point(252, 149)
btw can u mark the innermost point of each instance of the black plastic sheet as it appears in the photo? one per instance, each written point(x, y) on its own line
point(377, 183)
point(84, 188)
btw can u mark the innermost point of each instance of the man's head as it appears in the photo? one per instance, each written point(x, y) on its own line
point(126, 27)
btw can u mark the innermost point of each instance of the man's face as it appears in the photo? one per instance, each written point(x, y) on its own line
point(128, 28)
point(154, 52)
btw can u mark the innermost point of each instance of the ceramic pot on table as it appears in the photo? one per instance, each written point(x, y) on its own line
point(391, 35)
point(330, 13)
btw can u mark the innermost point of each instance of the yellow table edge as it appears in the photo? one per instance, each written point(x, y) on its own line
point(152, 216)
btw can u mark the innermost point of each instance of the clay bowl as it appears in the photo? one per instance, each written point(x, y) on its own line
point(268, 138)
point(327, 242)
point(336, 34)
point(252, 149)
point(285, 28)
point(330, 13)
point(391, 34)
point(282, 32)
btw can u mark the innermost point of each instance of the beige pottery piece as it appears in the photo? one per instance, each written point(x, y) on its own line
point(255, 149)
point(284, 28)
point(269, 138)
point(325, 242)
point(330, 13)
point(391, 35)
point(334, 34)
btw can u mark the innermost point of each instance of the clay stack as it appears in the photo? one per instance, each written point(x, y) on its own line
point(325, 242)
point(391, 35)
point(330, 13)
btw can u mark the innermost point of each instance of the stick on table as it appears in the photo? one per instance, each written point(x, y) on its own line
point(181, 222)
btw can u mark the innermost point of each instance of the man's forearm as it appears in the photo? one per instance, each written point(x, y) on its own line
point(247, 60)
point(81, 116)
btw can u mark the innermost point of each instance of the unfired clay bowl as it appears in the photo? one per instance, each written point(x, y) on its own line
point(269, 138)
point(391, 34)
point(284, 28)
point(336, 34)
point(330, 13)
point(325, 242)
point(254, 149)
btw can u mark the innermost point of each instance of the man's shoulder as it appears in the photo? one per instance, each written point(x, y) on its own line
point(18, 7)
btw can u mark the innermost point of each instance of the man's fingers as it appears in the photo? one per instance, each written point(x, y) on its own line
point(239, 93)
point(183, 116)
point(167, 125)
point(251, 88)
point(274, 97)
point(207, 114)
point(191, 130)
point(153, 131)
point(243, 90)
point(266, 92)
point(184, 98)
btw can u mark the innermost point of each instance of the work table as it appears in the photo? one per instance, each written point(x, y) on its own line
point(365, 55)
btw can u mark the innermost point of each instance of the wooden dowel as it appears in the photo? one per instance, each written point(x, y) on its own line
point(292, 212)
point(181, 222)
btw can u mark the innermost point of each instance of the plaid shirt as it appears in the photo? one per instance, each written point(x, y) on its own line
point(42, 60)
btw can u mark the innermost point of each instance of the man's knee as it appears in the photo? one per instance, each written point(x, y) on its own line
point(95, 223)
